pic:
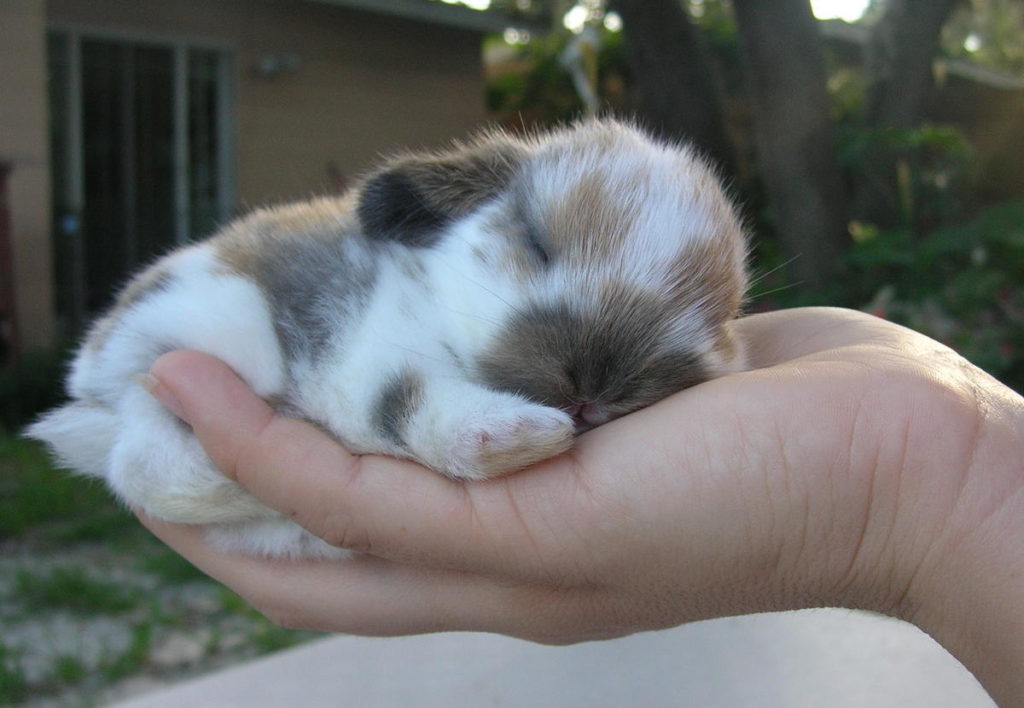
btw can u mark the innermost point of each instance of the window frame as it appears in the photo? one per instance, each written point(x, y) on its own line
point(74, 198)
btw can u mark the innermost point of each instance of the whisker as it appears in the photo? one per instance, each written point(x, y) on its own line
point(787, 286)
point(761, 276)
point(472, 315)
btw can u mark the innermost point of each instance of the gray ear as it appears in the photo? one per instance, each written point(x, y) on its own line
point(414, 198)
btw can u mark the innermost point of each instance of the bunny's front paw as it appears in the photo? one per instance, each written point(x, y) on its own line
point(504, 440)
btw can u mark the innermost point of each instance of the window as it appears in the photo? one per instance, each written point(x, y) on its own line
point(141, 150)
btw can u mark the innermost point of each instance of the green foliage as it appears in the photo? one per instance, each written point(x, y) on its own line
point(542, 90)
point(924, 174)
point(534, 11)
point(962, 285)
point(989, 33)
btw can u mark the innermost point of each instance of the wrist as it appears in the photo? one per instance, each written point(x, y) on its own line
point(916, 509)
point(968, 591)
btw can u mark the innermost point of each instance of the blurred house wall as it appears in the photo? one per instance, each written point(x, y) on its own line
point(356, 84)
point(364, 82)
point(24, 147)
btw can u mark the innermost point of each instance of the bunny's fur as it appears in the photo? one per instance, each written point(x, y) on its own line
point(470, 309)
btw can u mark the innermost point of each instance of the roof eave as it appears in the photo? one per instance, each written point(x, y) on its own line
point(440, 13)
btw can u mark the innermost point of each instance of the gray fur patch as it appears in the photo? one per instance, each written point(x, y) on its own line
point(312, 264)
point(413, 197)
point(312, 284)
point(560, 356)
point(399, 400)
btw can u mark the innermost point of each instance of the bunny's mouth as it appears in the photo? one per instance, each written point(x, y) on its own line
point(587, 416)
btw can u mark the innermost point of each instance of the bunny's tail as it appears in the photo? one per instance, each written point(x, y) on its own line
point(80, 435)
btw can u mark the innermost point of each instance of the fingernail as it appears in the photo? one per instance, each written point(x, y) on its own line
point(158, 391)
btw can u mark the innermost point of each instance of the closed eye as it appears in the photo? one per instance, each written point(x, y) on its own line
point(537, 246)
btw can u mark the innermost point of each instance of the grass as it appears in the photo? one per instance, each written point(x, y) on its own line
point(45, 515)
point(34, 384)
point(72, 589)
point(134, 659)
point(13, 687)
point(33, 493)
point(264, 635)
point(169, 567)
point(68, 670)
point(267, 637)
point(114, 525)
point(233, 602)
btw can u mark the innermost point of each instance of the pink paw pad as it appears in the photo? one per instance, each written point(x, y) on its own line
point(500, 442)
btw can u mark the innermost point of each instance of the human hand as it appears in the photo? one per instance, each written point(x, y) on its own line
point(860, 464)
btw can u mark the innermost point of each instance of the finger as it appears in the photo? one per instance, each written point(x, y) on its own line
point(383, 506)
point(371, 596)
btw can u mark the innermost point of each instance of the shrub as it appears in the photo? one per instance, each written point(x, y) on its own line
point(962, 285)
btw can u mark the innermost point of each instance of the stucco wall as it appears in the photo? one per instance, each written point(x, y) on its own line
point(365, 83)
point(24, 145)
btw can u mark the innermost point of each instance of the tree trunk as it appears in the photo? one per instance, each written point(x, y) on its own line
point(782, 47)
point(898, 61)
point(672, 78)
point(898, 73)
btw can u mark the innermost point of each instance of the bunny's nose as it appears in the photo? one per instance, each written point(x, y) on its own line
point(588, 415)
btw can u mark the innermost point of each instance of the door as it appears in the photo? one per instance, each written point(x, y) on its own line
point(141, 150)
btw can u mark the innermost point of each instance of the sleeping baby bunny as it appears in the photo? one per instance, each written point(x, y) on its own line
point(471, 310)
